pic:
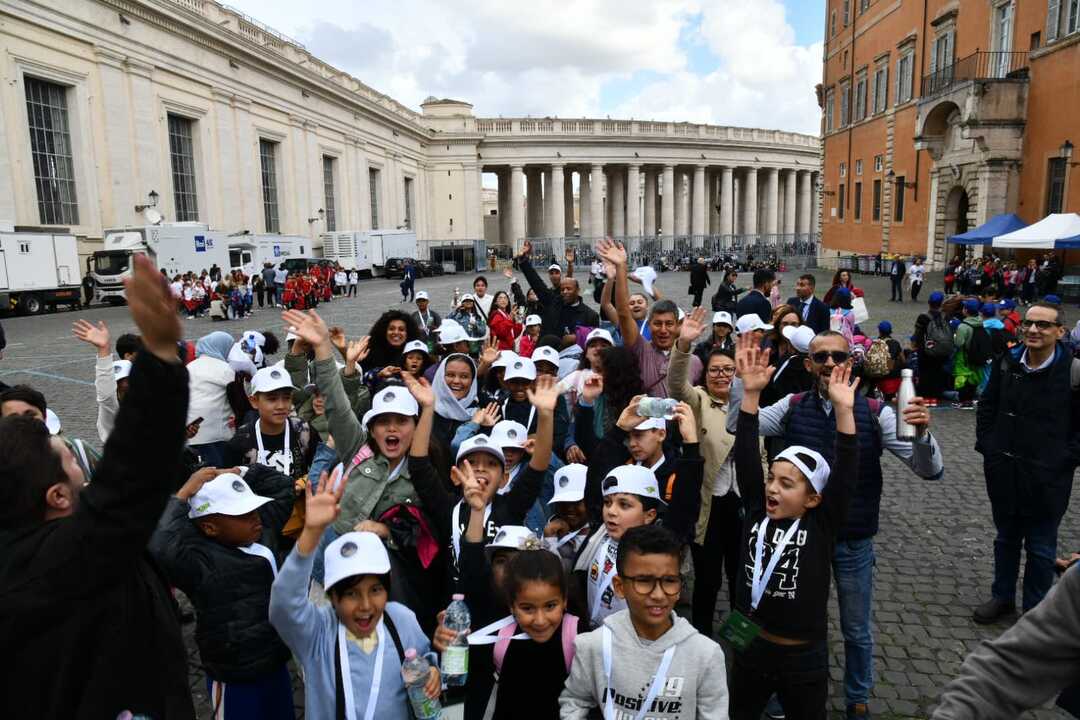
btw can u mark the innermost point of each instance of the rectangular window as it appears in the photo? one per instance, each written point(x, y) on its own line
point(876, 202)
point(881, 87)
point(1053, 19)
point(408, 203)
point(182, 157)
point(840, 201)
point(860, 97)
point(847, 12)
point(845, 104)
point(832, 24)
point(864, 5)
point(1055, 190)
point(830, 110)
point(877, 163)
point(843, 169)
point(898, 202)
point(50, 148)
point(373, 189)
point(858, 167)
point(1072, 20)
point(328, 192)
point(268, 167)
point(904, 68)
point(858, 201)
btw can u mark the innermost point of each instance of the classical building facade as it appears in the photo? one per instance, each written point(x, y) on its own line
point(233, 124)
point(938, 115)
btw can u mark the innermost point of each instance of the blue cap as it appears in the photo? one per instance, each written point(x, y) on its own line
point(1052, 299)
point(971, 305)
point(843, 292)
point(937, 297)
point(884, 327)
point(1007, 304)
point(988, 310)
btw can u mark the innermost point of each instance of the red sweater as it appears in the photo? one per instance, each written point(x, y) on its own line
point(503, 327)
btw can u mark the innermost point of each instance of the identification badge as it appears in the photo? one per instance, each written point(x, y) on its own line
point(739, 630)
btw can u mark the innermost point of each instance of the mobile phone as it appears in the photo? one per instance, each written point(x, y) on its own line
point(196, 421)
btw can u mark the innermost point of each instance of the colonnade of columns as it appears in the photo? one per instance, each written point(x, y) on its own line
point(648, 201)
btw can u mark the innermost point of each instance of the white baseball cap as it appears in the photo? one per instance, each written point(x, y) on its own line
point(270, 379)
point(466, 296)
point(533, 320)
point(647, 275)
point(722, 318)
point(240, 361)
point(512, 537)
point(800, 337)
point(520, 369)
point(253, 338)
point(569, 484)
point(290, 335)
point(508, 433)
point(450, 332)
point(480, 443)
point(422, 295)
point(415, 346)
point(811, 463)
point(554, 266)
point(633, 479)
point(394, 400)
point(52, 421)
point(652, 424)
point(546, 354)
point(504, 359)
point(682, 314)
point(749, 323)
point(227, 494)
point(121, 369)
point(352, 554)
point(599, 334)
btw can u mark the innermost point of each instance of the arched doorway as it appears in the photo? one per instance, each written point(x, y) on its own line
point(956, 214)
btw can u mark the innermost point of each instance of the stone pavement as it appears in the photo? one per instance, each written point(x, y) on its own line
point(934, 550)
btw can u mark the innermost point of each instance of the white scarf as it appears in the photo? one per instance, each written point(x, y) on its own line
point(446, 404)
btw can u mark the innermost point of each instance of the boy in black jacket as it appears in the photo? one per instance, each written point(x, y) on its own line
point(217, 541)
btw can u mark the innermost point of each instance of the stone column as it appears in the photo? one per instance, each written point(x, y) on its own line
point(596, 201)
point(506, 231)
point(650, 203)
point(557, 199)
point(633, 201)
point(517, 206)
point(569, 223)
point(667, 203)
point(815, 212)
point(789, 202)
point(585, 203)
point(699, 210)
point(680, 200)
point(535, 197)
point(549, 221)
point(617, 198)
point(750, 202)
point(772, 201)
point(714, 203)
point(727, 202)
point(802, 217)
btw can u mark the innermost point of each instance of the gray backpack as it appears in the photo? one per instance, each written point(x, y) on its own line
point(939, 338)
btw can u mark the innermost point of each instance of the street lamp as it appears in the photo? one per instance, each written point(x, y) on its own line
point(153, 196)
point(320, 214)
point(1066, 150)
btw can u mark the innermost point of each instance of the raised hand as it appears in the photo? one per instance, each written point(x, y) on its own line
point(473, 489)
point(526, 249)
point(491, 351)
point(356, 351)
point(154, 310)
point(594, 386)
point(611, 251)
point(610, 270)
point(693, 325)
point(571, 255)
point(544, 394)
point(323, 506)
point(486, 416)
point(684, 416)
point(508, 274)
point(420, 389)
point(96, 335)
point(574, 454)
point(842, 388)
point(752, 364)
point(337, 339)
point(629, 418)
point(308, 326)
point(389, 371)
point(199, 478)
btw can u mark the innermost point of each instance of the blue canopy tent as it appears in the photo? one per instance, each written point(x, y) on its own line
point(985, 233)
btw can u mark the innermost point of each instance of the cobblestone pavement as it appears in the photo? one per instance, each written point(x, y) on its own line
point(934, 550)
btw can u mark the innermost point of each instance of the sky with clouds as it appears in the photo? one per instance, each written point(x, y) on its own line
point(729, 62)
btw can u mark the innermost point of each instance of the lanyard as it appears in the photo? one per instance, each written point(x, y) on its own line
point(455, 527)
point(262, 551)
point(532, 414)
point(571, 536)
point(376, 673)
point(514, 472)
point(603, 581)
point(760, 580)
point(489, 634)
point(658, 680)
point(422, 320)
point(286, 452)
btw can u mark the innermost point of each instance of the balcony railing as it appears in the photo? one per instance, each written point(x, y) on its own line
point(976, 66)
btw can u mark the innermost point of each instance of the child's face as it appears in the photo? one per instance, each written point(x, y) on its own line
point(644, 444)
point(650, 609)
point(413, 362)
point(393, 434)
point(396, 333)
point(538, 608)
point(534, 331)
point(513, 455)
point(360, 606)
point(623, 511)
point(232, 530)
point(500, 561)
point(488, 470)
point(518, 388)
point(788, 493)
point(318, 404)
point(459, 377)
point(593, 350)
point(573, 513)
point(273, 407)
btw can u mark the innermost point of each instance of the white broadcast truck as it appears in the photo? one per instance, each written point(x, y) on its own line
point(38, 270)
point(369, 250)
point(249, 253)
point(176, 248)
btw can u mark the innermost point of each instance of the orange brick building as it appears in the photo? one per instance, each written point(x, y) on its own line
point(939, 114)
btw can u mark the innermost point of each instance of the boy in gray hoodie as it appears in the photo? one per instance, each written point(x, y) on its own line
point(645, 660)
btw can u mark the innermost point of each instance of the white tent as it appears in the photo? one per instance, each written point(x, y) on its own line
point(1057, 231)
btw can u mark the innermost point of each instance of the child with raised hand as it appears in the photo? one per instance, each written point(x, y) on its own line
point(352, 650)
point(568, 529)
point(218, 541)
point(646, 661)
point(778, 630)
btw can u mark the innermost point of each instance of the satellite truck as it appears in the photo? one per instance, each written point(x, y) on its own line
point(249, 253)
point(39, 269)
point(369, 250)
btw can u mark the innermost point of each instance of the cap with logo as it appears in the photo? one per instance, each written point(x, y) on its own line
point(722, 318)
point(599, 334)
point(227, 494)
point(750, 323)
point(252, 339)
point(632, 479)
point(270, 379)
point(811, 463)
point(647, 275)
point(533, 320)
point(352, 554)
point(505, 358)
point(466, 296)
point(520, 369)
point(800, 337)
point(394, 400)
point(480, 443)
point(421, 295)
point(415, 346)
point(121, 369)
point(513, 537)
point(450, 332)
point(553, 267)
point(569, 483)
point(508, 433)
point(546, 354)
point(651, 424)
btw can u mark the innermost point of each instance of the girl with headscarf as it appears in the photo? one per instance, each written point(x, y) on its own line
point(209, 378)
point(455, 390)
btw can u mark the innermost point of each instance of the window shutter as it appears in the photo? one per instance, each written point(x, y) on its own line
point(1053, 12)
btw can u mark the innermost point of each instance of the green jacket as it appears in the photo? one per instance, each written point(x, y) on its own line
point(355, 390)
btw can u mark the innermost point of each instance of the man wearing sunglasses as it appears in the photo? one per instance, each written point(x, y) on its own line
point(808, 419)
point(1027, 429)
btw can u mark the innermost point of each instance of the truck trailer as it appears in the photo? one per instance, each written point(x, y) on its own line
point(368, 251)
point(38, 270)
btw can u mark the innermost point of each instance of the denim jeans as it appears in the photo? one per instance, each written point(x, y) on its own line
point(853, 566)
point(1038, 535)
point(324, 460)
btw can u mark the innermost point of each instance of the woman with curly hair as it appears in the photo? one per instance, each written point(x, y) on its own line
point(388, 338)
point(621, 377)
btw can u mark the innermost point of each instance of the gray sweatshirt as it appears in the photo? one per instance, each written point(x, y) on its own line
point(1027, 665)
point(696, 684)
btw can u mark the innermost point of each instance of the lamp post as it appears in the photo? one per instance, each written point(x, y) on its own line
point(153, 197)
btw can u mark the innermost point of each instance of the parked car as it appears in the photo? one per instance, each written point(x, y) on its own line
point(395, 267)
point(428, 268)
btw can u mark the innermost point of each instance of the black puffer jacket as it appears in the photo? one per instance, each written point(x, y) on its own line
point(229, 588)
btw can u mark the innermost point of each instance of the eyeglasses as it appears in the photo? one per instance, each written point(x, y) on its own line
point(722, 370)
point(1042, 325)
point(644, 584)
point(822, 356)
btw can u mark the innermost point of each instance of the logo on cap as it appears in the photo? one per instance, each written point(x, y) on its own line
point(564, 481)
point(500, 537)
point(238, 486)
point(116, 369)
point(481, 440)
point(511, 433)
point(275, 374)
point(388, 397)
point(349, 549)
point(609, 482)
point(518, 365)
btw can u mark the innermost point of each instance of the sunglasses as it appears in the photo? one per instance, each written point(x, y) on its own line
point(839, 357)
point(1042, 325)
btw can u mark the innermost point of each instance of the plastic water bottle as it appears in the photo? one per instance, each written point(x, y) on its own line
point(904, 430)
point(455, 661)
point(656, 407)
point(415, 671)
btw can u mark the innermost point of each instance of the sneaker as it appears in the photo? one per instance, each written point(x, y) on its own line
point(858, 710)
point(993, 610)
point(773, 710)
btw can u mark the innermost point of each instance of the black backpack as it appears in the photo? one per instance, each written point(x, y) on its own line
point(980, 348)
point(939, 338)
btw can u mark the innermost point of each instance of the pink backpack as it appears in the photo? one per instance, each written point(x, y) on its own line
point(569, 632)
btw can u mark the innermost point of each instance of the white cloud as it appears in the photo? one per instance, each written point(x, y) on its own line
point(556, 58)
